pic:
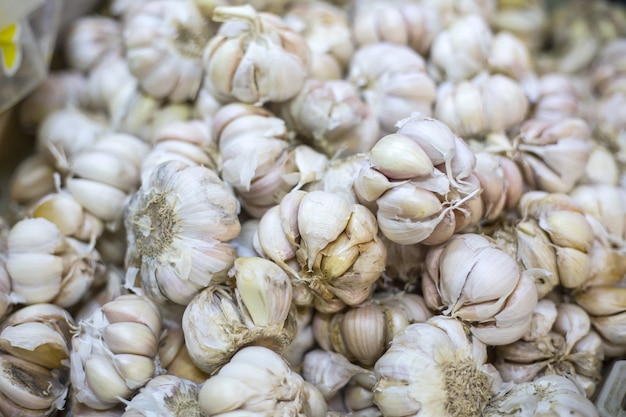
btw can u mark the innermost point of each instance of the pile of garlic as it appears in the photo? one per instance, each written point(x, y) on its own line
point(309, 208)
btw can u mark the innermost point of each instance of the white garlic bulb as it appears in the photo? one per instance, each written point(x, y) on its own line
point(329, 371)
point(177, 227)
point(254, 58)
point(259, 381)
point(91, 40)
point(258, 311)
point(435, 369)
point(167, 396)
point(164, 41)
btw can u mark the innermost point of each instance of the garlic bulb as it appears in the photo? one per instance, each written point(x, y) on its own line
point(392, 79)
point(362, 333)
point(259, 381)
point(32, 179)
point(608, 74)
point(607, 204)
point(501, 182)
point(167, 396)
point(451, 10)
point(434, 368)
point(328, 245)
point(565, 234)
point(568, 348)
point(177, 225)
point(7, 299)
point(174, 355)
point(606, 305)
point(254, 58)
point(402, 23)
point(511, 57)
point(45, 266)
point(471, 279)
point(257, 159)
point(58, 90)
point(461, 51)
point(552, 395)
point(486, 104)
point(553, 155)
point(164, 41)
point(189, 142)
point(602, 166)
point(258, 311)
point(329, 371)
point(326, 30)
point(91, 40)
point(420, 181)
point(528, 20)
point(340, 175)
point(114, 351)
point(34, 363)
point(330, 116)
point(557, 98)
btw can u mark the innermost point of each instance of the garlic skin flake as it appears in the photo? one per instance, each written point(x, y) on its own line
point(164, 42)
point(258, 381)
point(434, 368)
point(552, 395)
point(254, 58)
point(177, 227)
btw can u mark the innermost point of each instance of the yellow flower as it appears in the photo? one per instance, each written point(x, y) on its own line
point(10, 52)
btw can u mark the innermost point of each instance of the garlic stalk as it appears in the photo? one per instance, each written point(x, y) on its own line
point(412, 24)
point(257, 158)
point(471, 279)
point(330, 116)
point(177, 227)
point(435, 368)
point(250, 56)
point(362, 333)
point(258, 380)
point(328, 245)
point(114, 351)
point(326, 30)
point(34, 363)
point(552, 395)
point(167, 396)
point(486, 104)
point(258, 311)
point(392, 80)
point(164, 41)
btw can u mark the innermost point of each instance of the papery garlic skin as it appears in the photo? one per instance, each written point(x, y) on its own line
point(471, 279)
point(258, 380)
point(249, 58)
point(362, 333)
point(434, 368)
point(258, 311)
point(164, 41)
point(392, 79)
point(328, 245)
point(551, 394)
point(114, 351)
point(461, 51)
point(34, 364)
point(331, 117)
point(165, 395)
point(177, 227)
